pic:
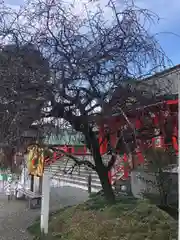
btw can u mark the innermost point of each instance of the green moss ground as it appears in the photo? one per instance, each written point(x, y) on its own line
point(128, 219)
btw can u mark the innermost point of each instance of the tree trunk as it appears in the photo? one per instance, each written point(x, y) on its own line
point(106, 185)
point(101, 169)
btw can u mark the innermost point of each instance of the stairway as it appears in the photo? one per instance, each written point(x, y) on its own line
point(78, 178)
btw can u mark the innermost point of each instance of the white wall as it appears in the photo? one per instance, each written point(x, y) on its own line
point(143, 182)
point(165, 83)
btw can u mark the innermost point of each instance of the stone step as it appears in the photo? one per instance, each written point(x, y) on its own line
point(62, 167)
point(77, 177)
point(80, 181)
point(73, 183)
point(83, 173)
point(64, 160)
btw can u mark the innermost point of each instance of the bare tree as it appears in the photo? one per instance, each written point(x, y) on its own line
point(89, 57)
point(22, 94)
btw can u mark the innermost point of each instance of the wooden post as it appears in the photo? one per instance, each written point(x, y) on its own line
point(40, 184)
point(45, 201)
point(32, 183)
point(89, 183)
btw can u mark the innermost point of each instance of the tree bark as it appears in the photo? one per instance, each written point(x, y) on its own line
point(101, 169)
point(106, 185)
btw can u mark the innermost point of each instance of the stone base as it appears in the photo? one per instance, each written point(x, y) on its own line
point(123, 187)
point(34, 203)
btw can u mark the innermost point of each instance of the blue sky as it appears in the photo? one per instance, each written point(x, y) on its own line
point(169, 25)
point(168, 28)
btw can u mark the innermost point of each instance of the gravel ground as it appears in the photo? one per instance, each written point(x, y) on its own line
point(15, 217)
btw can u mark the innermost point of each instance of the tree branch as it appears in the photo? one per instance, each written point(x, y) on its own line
point(76, 160)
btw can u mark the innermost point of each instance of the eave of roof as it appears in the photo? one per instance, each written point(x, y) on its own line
point(65, 138)
point(161, 101)
point(162, 73)
point(140, 93)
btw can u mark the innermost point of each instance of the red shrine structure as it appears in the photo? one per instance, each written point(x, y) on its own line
point(135, 124)
point(154, 126)
point(135, 120)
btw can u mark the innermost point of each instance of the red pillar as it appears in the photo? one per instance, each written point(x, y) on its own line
point(156, 119)
point(72, 149)
point(113, 133)
point(110, 177)
point(175, 144)
point(102, 140)
point(85, 149)
point(138, 124)
point(126, 168)
point(54, 156)
point(140, 156)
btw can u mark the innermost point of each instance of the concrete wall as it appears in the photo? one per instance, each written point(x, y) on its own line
point(162, 83)
point(143, 182)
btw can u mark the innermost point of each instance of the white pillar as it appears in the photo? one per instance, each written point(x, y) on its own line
point(36, 184)
point(45, 201)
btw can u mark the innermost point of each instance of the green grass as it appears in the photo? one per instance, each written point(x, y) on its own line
point(128, 219)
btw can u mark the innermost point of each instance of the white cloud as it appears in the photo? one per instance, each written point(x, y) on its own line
point(168, 11)
point(168, 31)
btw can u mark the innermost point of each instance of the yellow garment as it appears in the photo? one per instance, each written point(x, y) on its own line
point(36, 155)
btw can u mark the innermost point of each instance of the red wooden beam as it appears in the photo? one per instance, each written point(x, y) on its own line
point(171, 102)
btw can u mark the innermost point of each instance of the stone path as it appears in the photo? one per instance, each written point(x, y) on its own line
point(15, 217)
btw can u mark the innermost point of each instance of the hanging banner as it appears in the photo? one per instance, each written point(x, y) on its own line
point(35, 160)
